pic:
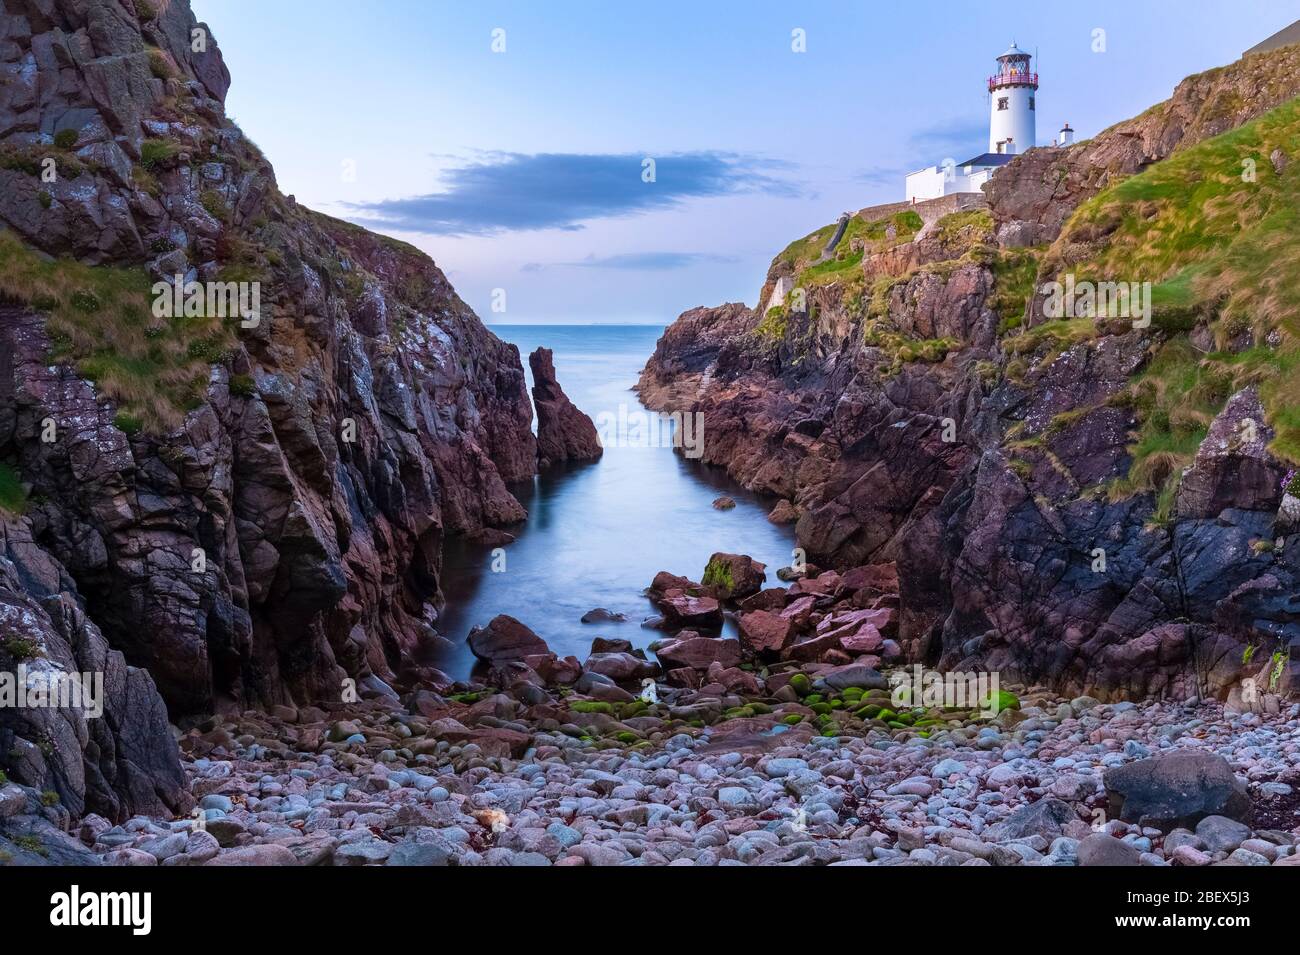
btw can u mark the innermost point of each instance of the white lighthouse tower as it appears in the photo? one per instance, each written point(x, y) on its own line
point(1012, 91)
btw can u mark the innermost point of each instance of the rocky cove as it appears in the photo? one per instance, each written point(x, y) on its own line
point(271, 541)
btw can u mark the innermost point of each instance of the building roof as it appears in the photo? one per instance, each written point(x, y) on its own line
point(1282, 37)
point(1013, 50)
point(989, 159)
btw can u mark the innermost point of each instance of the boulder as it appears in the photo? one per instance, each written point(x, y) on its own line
point(504, 639)
point(783, 513)
point(765, 632)
point(734, 576)
point(690, 650)
point(681, 609)
point(601, 615)
point(1100, 849)
point(1176, 790)
point(1047, 818)
point(620, 667)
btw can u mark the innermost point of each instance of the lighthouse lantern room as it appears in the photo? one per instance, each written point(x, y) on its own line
point(1012, 91)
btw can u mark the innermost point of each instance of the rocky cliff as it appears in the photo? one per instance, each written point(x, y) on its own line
point(241, 508)
point(1099, 501)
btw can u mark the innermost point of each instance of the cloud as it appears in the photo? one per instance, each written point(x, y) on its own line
point(516, 191)
point(637, 261)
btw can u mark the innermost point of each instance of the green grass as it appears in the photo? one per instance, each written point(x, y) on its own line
point(1013, 276)
point(832, 270)
point(1056, 336)
point(215, 204)
point(875, 232)
point(159, 65)
point(156, 153)
point(13, 498)
point(973, 225)
point(773, 326)
point(1217, 248)
point(100, 318)
point(903, 350)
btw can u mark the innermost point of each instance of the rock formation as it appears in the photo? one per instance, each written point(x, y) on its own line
point(912, 402)
point(251, 507)
point(563, 432)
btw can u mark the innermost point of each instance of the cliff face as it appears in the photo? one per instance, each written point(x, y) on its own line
point(249, 509)
point(1090, 501)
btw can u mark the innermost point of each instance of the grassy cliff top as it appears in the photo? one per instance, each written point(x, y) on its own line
point(1216, 229)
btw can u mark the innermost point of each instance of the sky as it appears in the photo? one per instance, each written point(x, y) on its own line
point(576, 161)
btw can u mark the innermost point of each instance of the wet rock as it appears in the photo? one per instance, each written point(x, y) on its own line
point(601, 615)
point(783, 513)
point(685, 610)
point(765, 632)
point(697, 652)
point(505, 639)
point(733, 576)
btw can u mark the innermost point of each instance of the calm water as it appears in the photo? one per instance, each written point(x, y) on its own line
point(597, 534)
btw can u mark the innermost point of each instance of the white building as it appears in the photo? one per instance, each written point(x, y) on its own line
point(1013, 92)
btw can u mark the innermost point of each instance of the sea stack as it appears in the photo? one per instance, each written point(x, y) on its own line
point(564, 433)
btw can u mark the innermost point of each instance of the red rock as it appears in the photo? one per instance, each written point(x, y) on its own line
point(620, 666)
point(880, 578)
point(665, 582)
point(734, 679)
point(770, 598)
point(765, 632)
point(866, 639)
point(683, 610)
point(698, 652)
point(823, 585)
point(732, 576)
point(783, 513)
point(563, 432)
point(840, 620)
point(505, 638)
point(683, 676)
point(555, 670)
point(813, 649)
point(799, 612)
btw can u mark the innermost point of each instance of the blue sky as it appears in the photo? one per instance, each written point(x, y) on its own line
point(524, 170)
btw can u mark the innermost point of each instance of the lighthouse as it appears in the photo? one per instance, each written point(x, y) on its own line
point(1012, 130)
point(1012, 90)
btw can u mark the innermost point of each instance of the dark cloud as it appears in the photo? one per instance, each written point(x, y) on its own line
point(515, 191)
point(637, 261)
